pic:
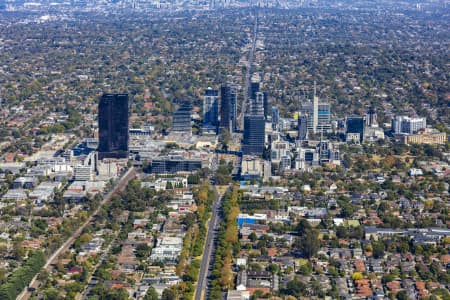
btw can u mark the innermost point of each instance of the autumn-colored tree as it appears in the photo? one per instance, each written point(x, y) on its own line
point(388, 162)
point(231, 234)
point(85, 238)
point(202, 196)
point(226, 279)
point(357, 276)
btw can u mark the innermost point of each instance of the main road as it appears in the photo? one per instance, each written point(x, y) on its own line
point(120, 186)
point(248, 73)
point(214, 222)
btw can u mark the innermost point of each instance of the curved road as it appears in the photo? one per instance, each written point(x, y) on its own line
point(130, 174)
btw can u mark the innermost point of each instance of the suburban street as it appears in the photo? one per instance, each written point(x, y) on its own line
point(92, 281)
point(201, 291)
point(34, 284)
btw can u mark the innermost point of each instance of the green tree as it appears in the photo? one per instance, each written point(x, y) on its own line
point(142, 250)
point(309, 243)
point(378, 249)
point(253, 237)
point(51, 294)
point(342, 232)
point(223, 175)
point(346, 211)
point(401, 295)
point(3, 273)
point(151, 294)
point(295, 288)
point(303, 226)
point(224, 139)
point(169, 185)
point(170, 293)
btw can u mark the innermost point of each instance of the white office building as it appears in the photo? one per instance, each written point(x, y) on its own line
point(404, 124)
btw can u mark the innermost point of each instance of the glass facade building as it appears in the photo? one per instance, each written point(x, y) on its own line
point(254, 135)
point(228, 111)
point(113, 126)
point(211, 109)
point(182, 119)
point(355, 125)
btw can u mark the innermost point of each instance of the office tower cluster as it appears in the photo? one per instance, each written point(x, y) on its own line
point(410, 130)
point(363, 128)
point(113, 126)
point(220, 113)
point(316, 154)
point(220, 109)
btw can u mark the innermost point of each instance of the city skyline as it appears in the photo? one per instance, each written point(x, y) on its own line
point(196, 150)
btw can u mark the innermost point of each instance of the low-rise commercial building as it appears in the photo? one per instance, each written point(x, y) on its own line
point(426, 136)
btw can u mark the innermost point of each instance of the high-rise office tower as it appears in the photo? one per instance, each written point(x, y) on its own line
point(266, 104)
point(302, 127)
point(261, 98)
point(371, 119)
point(113, 126)
point(275, 117)
point(396, 124)
point(254, 88)
point(319, 114)
point(254, 135)
point(257, 105)
point(228, 113)
point(323, 116)
point(182, 119)
point(211, 109)
point(355, 125)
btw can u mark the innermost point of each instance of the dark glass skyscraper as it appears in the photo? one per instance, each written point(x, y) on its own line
point(182, 119)
point(355, 125)
point(254, 135)
point(254, 88)
point(113, 126)
point(228, 113)
point(254, 122)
